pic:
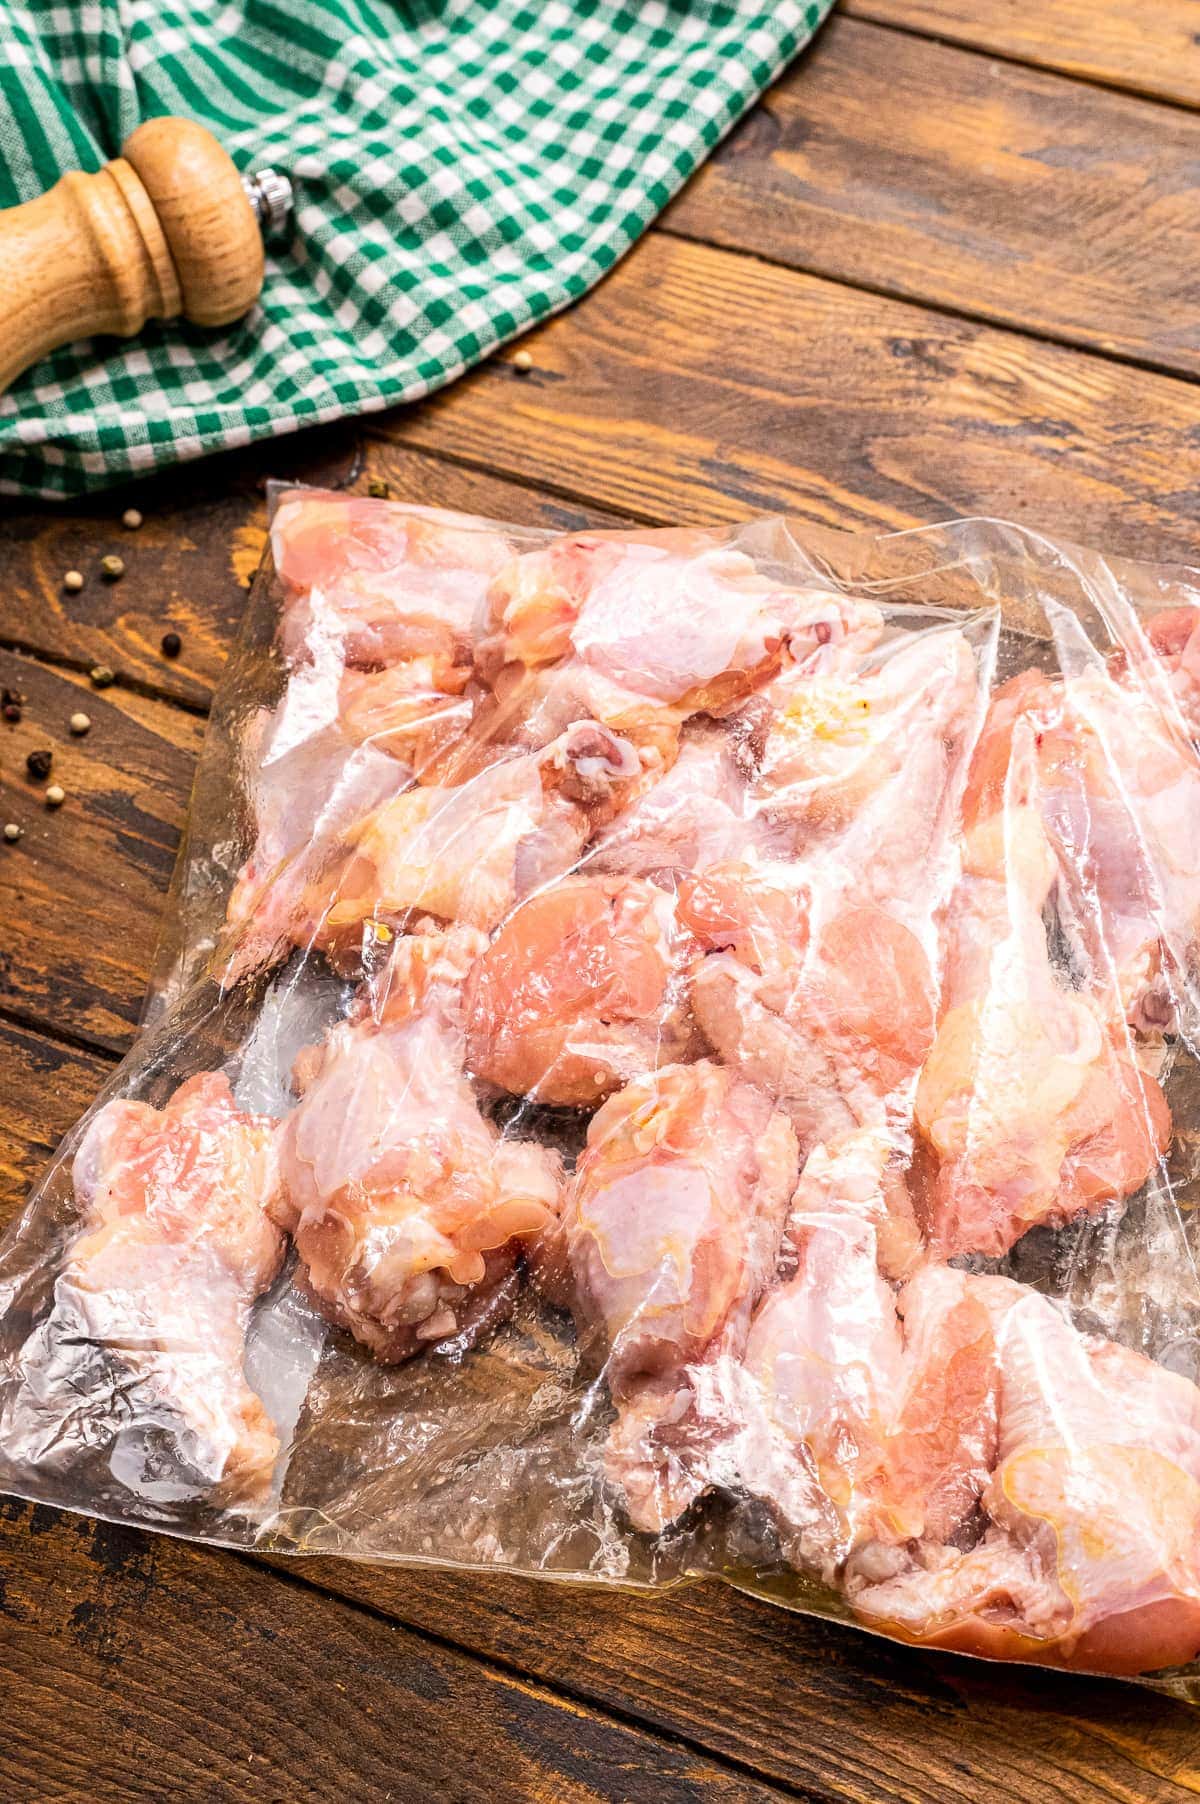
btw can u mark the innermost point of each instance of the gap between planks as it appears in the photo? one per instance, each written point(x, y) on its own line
point(970, 316)
point(55, 660)
point(1061, 63)
point(292, 1572)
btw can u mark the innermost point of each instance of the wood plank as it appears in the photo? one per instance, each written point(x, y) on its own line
point(952, 179)
point(186, 568)
point(1147, 49)
point(135, 1669)
point(81, 893)
point(46, 1086)
point(698, 384)
point(819, 1706)
point(189, 565)
point(821, 1709)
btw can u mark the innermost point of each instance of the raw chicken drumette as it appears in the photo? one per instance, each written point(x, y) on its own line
point(698, 814)
point(382, 583)
point(672, 1226)
point(406, 1206)
point(1119, 790)
point(308, 781)
point(1091, 1555)
point(819, 981)
point(640, 636)
point(176, 1245)
point(854, 1429)
point(1033, 1104)
point(465, 853)
point(831, 1014)
point(583, 988)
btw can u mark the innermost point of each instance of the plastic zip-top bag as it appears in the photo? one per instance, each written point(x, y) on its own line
point(675, 1056)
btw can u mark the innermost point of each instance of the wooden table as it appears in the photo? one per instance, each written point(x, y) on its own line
point(948, 267)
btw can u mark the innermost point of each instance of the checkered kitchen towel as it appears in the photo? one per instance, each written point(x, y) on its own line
point(462, 168)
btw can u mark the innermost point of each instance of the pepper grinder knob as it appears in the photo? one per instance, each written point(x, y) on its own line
point(165, 229)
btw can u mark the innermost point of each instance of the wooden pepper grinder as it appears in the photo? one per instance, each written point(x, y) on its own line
point(167, 228)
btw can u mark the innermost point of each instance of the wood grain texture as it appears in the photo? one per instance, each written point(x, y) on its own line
point(140, 1670)
point(186, 568)
point(698, 385)
point(81, 893)
point(1147, 49)
point(46, 1086)
point(831, 1711)
point(953, 179)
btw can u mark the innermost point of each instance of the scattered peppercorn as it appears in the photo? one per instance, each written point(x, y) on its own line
point(38, 765)
point(131, 519)
point(11, 712)
point(73, 581)
point(522, 362)
point(379, 491)
point(56, 795)
point(79, 723)
point(111, 568)
point(12, 831)
point(172, 645)
point(102, 676)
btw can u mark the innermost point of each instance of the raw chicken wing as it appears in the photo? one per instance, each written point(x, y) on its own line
point(672, 1226)
point(1091, 1553)
point(464, 853)
point(854, 1428)
point(176, 1245)
point(830, 1013)
point(415, 711)
point(381, 583)
point(405, 1204)
point(1032, 1104)
point(698, 814)
point(583, 988)
point(308, 782)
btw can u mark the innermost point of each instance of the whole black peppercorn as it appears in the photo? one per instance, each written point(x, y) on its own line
point(12, 712)
point(38, 765)
point(172, 645)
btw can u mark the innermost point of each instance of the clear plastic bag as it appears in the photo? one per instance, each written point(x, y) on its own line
point(674, 1056)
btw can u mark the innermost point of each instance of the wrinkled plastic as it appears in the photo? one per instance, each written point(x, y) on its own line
point(674, 1056)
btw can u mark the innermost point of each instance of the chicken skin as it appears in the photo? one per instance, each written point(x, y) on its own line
point(672, 1226)
point(381, 583)
point(830, 1013)
point(1091, 1553)
point(464, 853)
point(308, 780)
point(642, 636)
point(854, 1427)
point(1033, 1104)
point(405, 1204)
point(176, 1244)
point(819, 980)
point(582, 989)
point(697, 814)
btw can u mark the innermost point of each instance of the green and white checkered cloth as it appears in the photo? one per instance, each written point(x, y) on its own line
point(462, 168)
